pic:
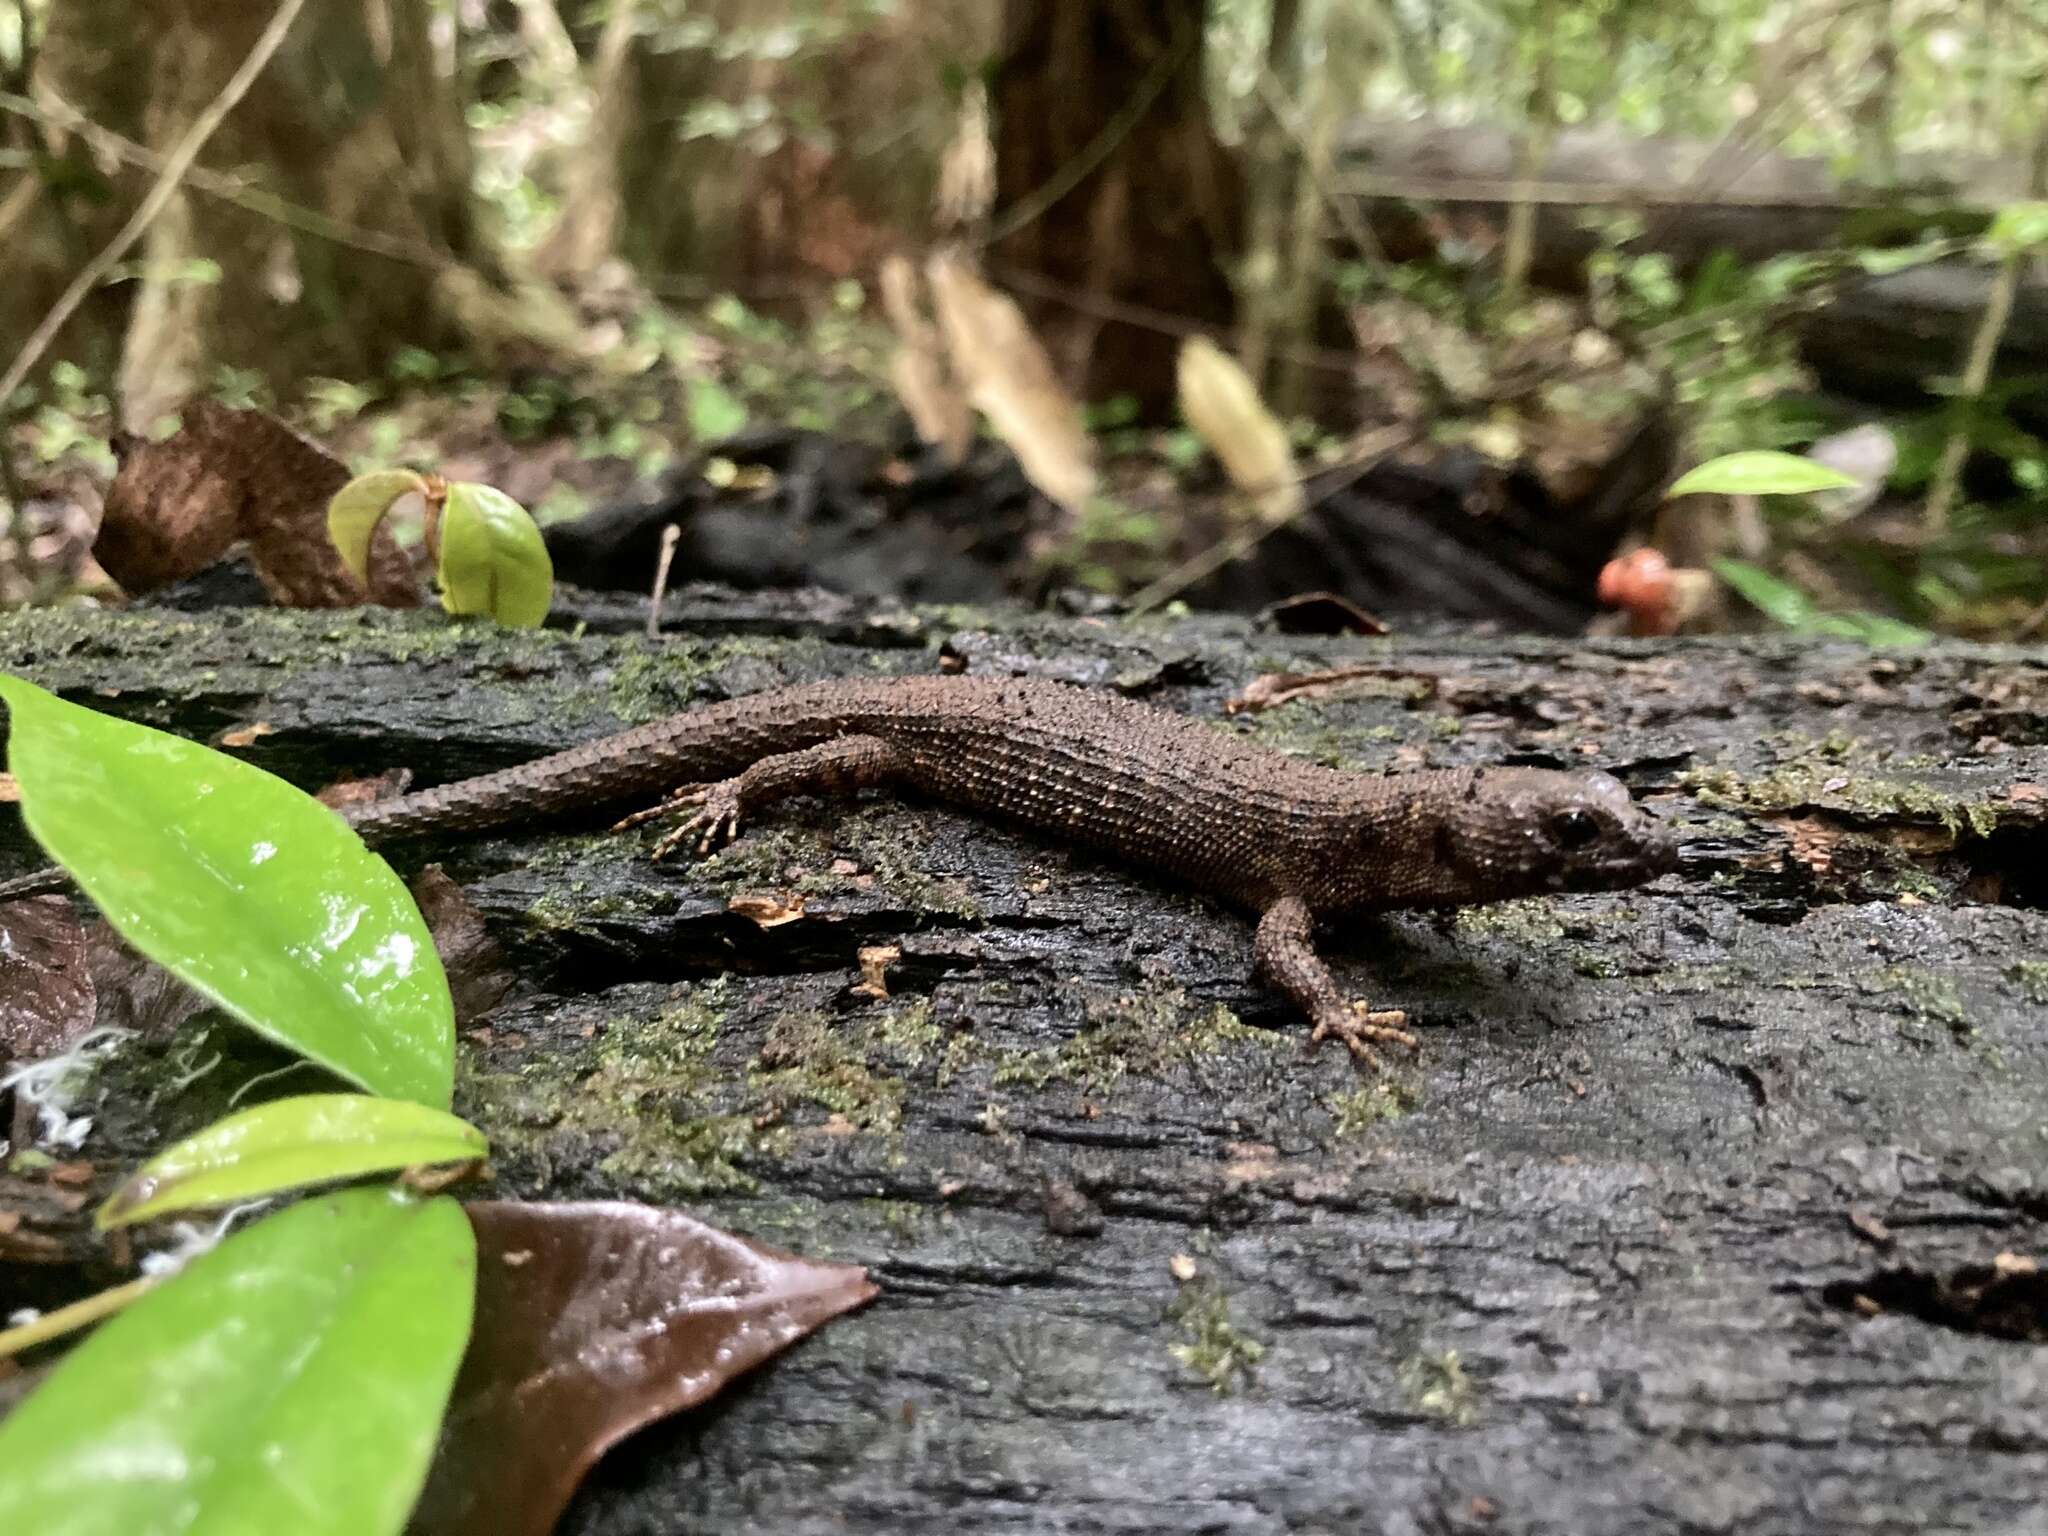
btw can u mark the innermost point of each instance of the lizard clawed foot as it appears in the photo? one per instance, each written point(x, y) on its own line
point(715, 823)
point(1356, 1025)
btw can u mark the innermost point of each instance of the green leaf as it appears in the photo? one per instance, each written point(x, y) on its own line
point(287, 1144)
point(1778, 600)
point(1789, 606)
point(714, 413)
point(1882, 261)
point(359, 506)
point(1761, 472)
point(253, 893)
point(2018, 227)
point(493, 559)
point(1873, 629)
point(293, 1379)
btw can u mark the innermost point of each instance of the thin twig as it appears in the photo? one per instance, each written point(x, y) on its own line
point(1477, 189)
point(1164, 321)
point(159, 196)
point(10, 482)
point(669, 537)
point(1034, 203)
point(1343, 209)
point(80, 1314)
point(1369, 453)
point(228, 189)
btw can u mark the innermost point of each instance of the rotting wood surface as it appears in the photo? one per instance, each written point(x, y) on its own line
point(1707, 1208)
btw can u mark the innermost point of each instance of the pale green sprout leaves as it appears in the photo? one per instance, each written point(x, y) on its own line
point(1786, 604)
point(359, 506)
point(491, 558)
point(714, 411)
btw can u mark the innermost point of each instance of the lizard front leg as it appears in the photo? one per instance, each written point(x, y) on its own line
point(835, 767)
point(1287, 958)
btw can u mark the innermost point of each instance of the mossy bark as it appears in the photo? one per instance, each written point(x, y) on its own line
point(1671, 1226)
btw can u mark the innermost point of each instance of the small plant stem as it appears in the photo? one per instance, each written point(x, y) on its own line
point(80, 1314)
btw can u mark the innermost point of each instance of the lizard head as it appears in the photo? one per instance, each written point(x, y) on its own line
point(1528, 831)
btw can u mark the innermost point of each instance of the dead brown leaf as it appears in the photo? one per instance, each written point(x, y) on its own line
point(1010, 380)
point(244, 735)
point(1221, 403)
point(936, 403)
point(592, 1320)
point(478, 975)
point(134, 993)
point(47, 996)
point(1276, 688)
point(875, 961)
point(1323, 613)
point(229, 477)
point(768, 909)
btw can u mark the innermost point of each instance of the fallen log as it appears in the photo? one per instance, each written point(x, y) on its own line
point(1881, 338)
point(1691, 1215)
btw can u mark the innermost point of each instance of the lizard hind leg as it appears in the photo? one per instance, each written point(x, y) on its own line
point(839, 766)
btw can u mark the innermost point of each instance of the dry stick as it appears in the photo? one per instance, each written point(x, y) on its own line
point(1166, 322)
point(1480, 189)
point(1034, 203)
point(180, 161)
point(228, 189)
point(669, 536)
point(1998, 304)
point(2005, 286)
point(80, 1314)
point(1176, 581)
point(1344, 210)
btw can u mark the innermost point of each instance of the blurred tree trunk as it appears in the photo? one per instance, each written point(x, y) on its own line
point(747, 167)
point(1108, 95)
point(353, 119)
point(54, 214)
point(1268, 153)
point(587, 232)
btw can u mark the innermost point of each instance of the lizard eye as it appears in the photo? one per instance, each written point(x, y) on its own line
point(1574, 828)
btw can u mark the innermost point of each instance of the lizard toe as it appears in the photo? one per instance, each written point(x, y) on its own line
point(1360, 1027)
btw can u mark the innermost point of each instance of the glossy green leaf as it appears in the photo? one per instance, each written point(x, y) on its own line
point(2018, 227)
point(237, 883)
point(288, 1144)
point(1761, 472)
point(493, 559)
point(359, 506)
point(292, 1380)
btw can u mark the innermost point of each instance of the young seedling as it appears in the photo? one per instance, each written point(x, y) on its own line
point(488, 554)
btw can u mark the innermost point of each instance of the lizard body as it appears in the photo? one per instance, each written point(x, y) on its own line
point(1291, 841)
